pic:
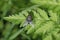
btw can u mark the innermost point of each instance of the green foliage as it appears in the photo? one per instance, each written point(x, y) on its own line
point(46, 19)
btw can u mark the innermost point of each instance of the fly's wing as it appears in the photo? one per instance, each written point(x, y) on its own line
point(31, 23)
point(25, 23)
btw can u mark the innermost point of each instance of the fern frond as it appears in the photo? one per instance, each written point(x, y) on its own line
point(50, 4)
point(19, 18)
point(53, 16)
point(6, 7)
point(49, 37)
point(15, 34)
point(15, 18)
point(42, 13)
point(42, 30)
point(42, 22)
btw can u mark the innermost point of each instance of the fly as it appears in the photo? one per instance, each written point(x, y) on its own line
point(28, 21)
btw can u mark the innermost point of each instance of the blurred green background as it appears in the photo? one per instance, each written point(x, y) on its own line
point(46, 19)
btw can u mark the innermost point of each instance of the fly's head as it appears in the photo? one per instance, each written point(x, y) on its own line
point(29, 18)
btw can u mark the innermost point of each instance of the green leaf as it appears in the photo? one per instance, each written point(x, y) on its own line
point(7, 5)
point(15, 34)
point(47, 27)
point(42, 13)
point(50, 4)
point(53, 16)
point(1, 24)
point(15, 18)
point(49, 37)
